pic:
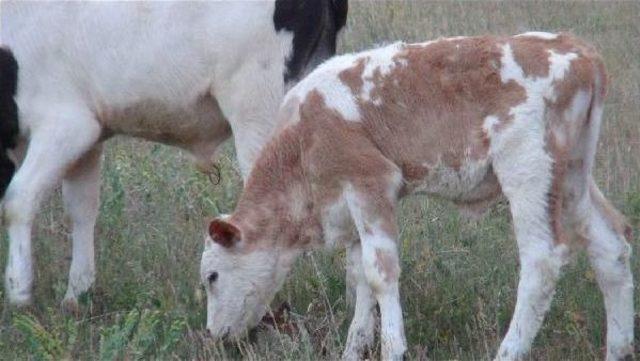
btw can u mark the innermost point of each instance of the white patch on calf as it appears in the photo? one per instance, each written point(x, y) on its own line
point(456, 38)
point(297, 201)
point(511, 70)
point(325, 80)
point(430, 42)
point(528, 116)
point(489, 124)
point(380, 63)
point(538, 34)
point(579, 106)
point(560, 65)
point(289, 112)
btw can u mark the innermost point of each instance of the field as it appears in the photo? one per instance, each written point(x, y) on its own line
point(459, 276)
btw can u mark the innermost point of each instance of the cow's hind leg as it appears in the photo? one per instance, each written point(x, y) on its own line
point(64, 133)
point(607, 235)
point(81, 192)
point(525, 175)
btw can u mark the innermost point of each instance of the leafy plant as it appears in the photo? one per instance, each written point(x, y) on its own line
point(43, 344)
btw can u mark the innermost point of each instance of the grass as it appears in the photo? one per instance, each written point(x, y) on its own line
point(459, 277)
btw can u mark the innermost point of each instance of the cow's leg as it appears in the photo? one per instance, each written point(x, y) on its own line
point(81, 192)
point(525, 174)
point(609, 252)
point(362, 328)
point(63, 135)
point(372, 206)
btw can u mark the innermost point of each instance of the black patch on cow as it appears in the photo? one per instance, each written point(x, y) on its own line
point(8, 116)
point(315, 25)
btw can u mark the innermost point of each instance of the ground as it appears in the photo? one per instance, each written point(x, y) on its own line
point(459, 276)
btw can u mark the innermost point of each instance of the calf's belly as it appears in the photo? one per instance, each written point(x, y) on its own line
point(472, 186)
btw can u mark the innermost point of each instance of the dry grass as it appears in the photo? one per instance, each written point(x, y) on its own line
point(459, 277)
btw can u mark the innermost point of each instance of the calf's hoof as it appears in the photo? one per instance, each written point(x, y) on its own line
point(621, 353)
point(354, 355)
point(70, 306)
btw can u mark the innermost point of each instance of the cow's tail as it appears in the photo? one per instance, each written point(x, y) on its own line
point(9, 127)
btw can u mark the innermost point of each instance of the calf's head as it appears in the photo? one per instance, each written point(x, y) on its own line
point(240, 278)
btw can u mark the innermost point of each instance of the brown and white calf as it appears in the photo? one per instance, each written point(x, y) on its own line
point(467, 119)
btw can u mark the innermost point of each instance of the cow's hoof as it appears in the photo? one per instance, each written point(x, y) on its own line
point(19, 299)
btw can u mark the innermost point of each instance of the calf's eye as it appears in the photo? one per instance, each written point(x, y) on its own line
point(213, 277)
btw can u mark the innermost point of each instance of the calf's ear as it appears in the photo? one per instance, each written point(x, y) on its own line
point(224, 233)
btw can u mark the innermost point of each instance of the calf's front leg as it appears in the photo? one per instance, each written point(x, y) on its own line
point(382, 270)
point(362, 328)
point(374, 219)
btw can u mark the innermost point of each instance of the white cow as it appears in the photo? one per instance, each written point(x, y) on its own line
point(466, 119)
point(186, 74)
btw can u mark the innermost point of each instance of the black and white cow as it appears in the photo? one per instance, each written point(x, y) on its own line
point(188, 74)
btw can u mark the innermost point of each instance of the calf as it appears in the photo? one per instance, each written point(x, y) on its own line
point(466, 119)
point(180, 73)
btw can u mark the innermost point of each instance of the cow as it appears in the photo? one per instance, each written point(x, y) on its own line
point(186, 74)
point(468, 119)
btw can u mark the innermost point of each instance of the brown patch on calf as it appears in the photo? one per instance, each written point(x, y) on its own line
point(532, 55)
point(387, 264)
point(352, 77)
point(555, 196)
point(435, 100)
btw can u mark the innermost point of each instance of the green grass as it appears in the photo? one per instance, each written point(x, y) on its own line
point(459, 277)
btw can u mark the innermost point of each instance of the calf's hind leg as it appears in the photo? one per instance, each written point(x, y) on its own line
point(609, 252)
point(527, 184)
point(63, 135)
point(81, 193)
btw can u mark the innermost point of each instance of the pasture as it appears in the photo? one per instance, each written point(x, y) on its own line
point(459, 276)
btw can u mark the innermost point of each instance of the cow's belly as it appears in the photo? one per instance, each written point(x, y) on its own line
point(199, 127)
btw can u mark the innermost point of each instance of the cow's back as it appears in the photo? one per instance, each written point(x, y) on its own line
point(123, 52)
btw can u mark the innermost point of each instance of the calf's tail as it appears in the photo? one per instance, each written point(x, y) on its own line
point(9, 127)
